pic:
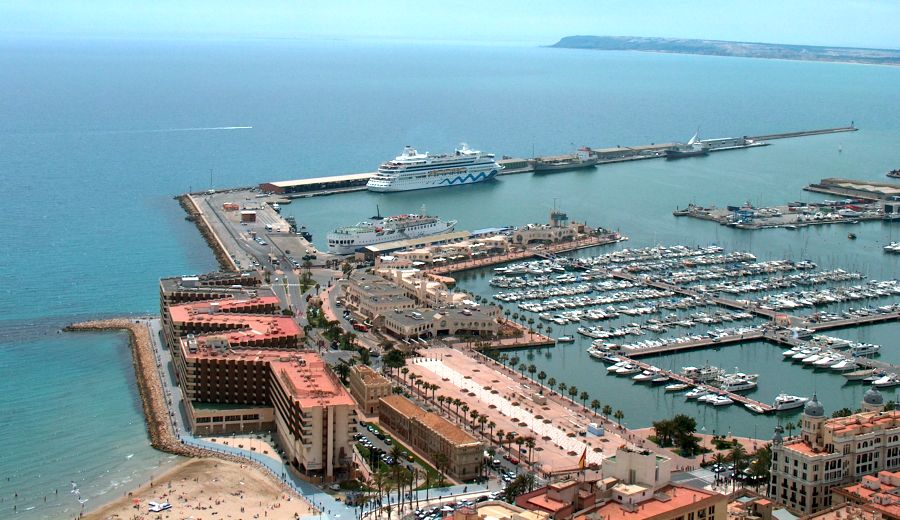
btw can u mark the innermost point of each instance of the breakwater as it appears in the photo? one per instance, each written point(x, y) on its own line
point(226, 263)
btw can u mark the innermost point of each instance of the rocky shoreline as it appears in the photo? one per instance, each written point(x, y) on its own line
point(222, 256)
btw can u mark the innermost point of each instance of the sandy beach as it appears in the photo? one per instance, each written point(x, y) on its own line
point(208, 488)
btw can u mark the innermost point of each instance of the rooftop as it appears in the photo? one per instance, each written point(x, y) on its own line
point(308, 381)
point(368, 375)
point(677, 497)
point(416, 242)
point(435, 423)
point(321, 180)
point(878, 492)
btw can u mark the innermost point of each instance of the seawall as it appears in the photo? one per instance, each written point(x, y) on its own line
point(197, 217)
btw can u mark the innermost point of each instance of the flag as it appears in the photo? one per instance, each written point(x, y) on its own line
point(582, 461)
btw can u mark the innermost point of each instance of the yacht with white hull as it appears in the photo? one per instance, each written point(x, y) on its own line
point(416, 171)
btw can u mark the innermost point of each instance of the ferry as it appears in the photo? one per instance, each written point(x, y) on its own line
point(788, 402)
point(416, 171)
point(346, 240)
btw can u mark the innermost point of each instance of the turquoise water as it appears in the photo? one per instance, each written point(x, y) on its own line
point(97, 136)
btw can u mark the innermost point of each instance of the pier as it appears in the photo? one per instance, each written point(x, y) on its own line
point(330, 185)
point(746, 401)
point(860, 189)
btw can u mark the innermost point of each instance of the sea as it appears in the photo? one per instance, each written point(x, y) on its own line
point(98, 135)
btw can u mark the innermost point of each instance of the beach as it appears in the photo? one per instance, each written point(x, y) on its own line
point(201, 488)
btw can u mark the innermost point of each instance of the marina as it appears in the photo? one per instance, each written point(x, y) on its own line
point(791, 216)
point(651, 292)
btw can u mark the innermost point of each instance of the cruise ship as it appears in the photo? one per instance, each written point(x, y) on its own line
point(416, 171)
point(346, 240)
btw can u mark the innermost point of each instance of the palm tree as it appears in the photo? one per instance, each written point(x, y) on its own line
point(595, 405)
point(607, 409)
point(396, 455)
point(506, 313)
point(440, 400)
point(619, 415)
point(541, 376)
point(434, 388)
point(738, 457)
point(474, 415)
point(562, 388)
point(404, 371)
point(500, 436)
point(457, 401)
point(503, 359)
point(510, 437)
point(522, 369)
point(584, 397)
point(519, 442)
point(514, 361)
point(551, 383)
point(491, 425)
point(790, 428)
point(482, 420)
point(531, 370)
point(573, 392)
point(529, 443)
point(465, 409)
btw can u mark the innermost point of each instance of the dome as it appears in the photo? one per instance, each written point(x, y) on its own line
point(778, 438)
point(873, 397)
point(814, 408)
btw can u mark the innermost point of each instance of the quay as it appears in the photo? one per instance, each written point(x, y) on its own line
point(329, 185)
point(746, 401)
point(860, 189)
point(546, 252)
point(791, 216)
point(791, 341)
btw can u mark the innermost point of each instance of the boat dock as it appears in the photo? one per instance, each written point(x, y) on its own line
point(329, 185)
point(762, 407)
point(792, 216)
point(530, 252)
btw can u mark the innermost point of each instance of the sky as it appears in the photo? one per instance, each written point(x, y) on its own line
point(813, 22)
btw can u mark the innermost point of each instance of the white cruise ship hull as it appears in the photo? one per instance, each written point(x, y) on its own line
point(357, 241)
point(412, 182)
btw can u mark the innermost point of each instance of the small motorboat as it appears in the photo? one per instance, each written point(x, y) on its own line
point(676, 387)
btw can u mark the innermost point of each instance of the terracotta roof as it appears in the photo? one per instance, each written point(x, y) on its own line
point(433, 422)
point(308, 381)
point(679, 497)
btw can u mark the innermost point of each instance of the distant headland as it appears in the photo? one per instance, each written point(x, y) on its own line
point(734, 49)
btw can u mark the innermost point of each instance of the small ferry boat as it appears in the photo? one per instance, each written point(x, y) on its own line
point(346, 240)
point(788, 402)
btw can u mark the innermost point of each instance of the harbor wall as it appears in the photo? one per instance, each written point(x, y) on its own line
point(226, 263)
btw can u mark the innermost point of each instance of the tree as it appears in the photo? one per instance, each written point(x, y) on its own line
point(551, 383)
point(760, 466)
point(573, 392)
point(584, 397)
point(522, 369)
point(440, 463)
point(457, 401)
point(562, 388)
point(607, 410)
point(522, 484)
point(440, 400)
point(404, 371)
point(514, 361)
point(619, 415)
point(394, 359)
point(595, 405)
point(491, 425)
point(500, 436)
point(465, 409)
point(843, 412)
point(738, 457)
point(529, 443)
point(510, 437)
point(890, 406)
point(541, 376)
point(531, 370)
point(482, 420)
point(790, 428)
point(474, 415)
